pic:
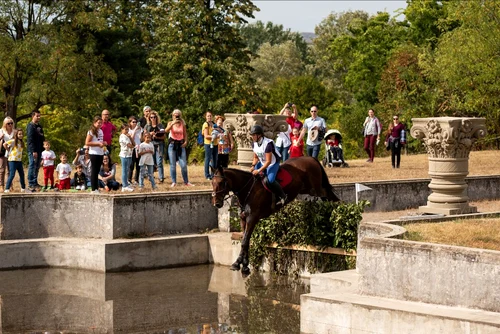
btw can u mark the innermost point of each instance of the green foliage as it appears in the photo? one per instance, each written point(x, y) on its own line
point(426, 21)
point(46, 61)
point(256, 34)
point(199, 61)
point(276, 61)
point(315, 223)
point(465, 66)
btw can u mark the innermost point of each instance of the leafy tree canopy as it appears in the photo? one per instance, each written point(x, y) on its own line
point(257, 34)
point(199, 61)
point(45, 61)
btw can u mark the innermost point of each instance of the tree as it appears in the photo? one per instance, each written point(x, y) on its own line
point(257, 34)
point(428, 21)
point(199, 61)
point(125, 46)
point(359, 57)
point(465, 66)
point(333, 26)
point(42, 63)
point(276, 61)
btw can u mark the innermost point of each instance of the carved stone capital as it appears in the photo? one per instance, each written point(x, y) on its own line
point(448, 137)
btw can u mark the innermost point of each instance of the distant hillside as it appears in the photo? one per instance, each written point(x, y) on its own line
point(308, 36)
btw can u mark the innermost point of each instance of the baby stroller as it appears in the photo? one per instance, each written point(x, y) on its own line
point(334, 155)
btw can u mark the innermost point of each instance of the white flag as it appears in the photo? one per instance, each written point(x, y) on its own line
point(361, 187)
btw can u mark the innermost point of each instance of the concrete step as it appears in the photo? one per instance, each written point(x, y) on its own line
point(341, 312)
point(105, 255)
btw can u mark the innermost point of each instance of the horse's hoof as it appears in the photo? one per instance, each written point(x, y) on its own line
point(245, 271)
point(235, 266)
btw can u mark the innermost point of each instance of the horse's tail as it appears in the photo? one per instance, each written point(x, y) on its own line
point(330, 194)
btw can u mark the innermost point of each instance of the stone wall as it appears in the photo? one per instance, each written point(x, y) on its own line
point(32, 216)
point(429, 273)
point(404, 194)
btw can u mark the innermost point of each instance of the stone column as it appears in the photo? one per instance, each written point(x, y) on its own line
point(448, 141)
point(240, 125)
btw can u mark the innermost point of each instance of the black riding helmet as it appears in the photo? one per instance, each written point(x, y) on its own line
point(257, 130)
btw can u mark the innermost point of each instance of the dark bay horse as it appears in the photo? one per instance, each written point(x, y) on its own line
point(308, 177)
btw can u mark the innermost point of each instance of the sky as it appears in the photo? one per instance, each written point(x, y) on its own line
point(304, 15)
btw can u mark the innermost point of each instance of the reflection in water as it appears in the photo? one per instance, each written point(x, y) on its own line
point(199, 299)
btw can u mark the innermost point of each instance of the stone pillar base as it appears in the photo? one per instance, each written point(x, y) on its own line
point(447, 210)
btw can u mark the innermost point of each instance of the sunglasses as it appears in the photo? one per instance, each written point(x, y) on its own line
point(10, 123)
point(152, 116)
point(314, 111)
point(395, 118)
point(133, 122)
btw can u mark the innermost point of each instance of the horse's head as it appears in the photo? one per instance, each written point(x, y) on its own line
point(220, 188)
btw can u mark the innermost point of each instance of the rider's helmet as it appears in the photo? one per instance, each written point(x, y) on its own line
point(257, 130)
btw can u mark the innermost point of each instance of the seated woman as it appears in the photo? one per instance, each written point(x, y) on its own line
point(107, 175)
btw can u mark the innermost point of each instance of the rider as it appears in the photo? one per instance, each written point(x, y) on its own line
point(267, 159)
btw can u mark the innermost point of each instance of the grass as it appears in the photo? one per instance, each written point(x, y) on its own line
point(480, 233)
point(412, 167)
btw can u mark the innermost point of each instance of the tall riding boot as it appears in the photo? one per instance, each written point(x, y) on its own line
point(278, 191)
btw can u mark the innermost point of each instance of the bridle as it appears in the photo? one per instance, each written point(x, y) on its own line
point(214, 194)
point(224, 189)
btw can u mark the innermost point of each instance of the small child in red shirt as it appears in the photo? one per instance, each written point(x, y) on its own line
point(64, 173)
point(297, 148)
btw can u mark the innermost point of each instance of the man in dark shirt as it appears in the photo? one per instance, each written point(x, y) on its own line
point(36, 137)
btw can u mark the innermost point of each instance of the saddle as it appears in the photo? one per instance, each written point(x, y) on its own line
point(284, 178)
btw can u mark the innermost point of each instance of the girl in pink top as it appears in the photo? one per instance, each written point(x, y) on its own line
point(177, 142)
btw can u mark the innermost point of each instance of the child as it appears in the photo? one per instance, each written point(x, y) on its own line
point(126, 148)
point(335, 150)
point(297, 148)
point(146, 150)
point(79, 179)
point(63, 170)
point(216, 132)
point(16, 147)
point(48, 158)
point(225, 142)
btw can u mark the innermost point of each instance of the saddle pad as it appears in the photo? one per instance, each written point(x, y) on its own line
point(283, 177)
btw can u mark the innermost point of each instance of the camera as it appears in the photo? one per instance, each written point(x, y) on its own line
point(289, 104)
point(177, 117)
point(81, 151)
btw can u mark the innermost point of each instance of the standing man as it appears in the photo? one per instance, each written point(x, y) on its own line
point(36, 138)
point(108, 129)
point(144, 119)
point(372, 134)
point(313, 125)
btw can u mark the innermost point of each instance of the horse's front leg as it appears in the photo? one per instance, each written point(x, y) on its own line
point(243, 223)
point(245, 245)
point(243, 220)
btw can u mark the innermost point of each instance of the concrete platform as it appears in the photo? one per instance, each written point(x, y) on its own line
point(105, 255)
point(333, 306)
point(350, 313)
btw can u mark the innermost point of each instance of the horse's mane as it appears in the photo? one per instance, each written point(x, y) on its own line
point(239, 172)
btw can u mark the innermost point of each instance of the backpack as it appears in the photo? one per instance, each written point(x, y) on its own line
point(200, 139)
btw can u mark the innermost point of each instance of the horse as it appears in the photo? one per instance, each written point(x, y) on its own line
point(256, 202)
